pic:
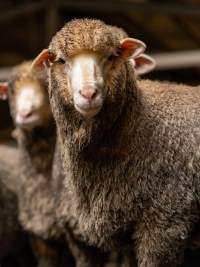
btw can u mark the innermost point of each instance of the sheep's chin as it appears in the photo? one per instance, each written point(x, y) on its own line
point(28, 123)
point(89, 113)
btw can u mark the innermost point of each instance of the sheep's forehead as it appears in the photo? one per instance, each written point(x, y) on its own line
point(22, 75)
point(85, 34)
point(28, 95)
point(27, 84)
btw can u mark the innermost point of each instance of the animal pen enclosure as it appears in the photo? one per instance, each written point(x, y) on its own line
point(171, 30)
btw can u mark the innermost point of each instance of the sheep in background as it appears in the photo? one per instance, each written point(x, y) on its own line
point(32, 116)
point(36, 135)
point(144, 192)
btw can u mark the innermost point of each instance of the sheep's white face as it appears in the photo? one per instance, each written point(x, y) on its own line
point(27, 102)
point(30, 105)
point(86, 72)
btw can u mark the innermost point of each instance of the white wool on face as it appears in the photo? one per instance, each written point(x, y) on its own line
point(28, 99)
point(86, 73)
point(83, 71)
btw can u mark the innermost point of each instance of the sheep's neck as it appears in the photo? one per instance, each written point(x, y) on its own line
point(94, 162)
point(99, 152)
point(35, 197)
point(37, 147)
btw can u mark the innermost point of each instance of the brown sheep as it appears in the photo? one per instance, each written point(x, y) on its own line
point(36, 135)
point(84, 255)
point(145, 192)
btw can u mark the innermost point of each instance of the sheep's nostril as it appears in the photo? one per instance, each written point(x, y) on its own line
point(25, 113)
point(88, 93)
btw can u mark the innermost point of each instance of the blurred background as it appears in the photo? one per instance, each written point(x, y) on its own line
point(171, 30)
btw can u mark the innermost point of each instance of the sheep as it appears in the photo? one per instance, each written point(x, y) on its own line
point(27, 100)
point(36, 135)
point(144, 191)
point(96, 253)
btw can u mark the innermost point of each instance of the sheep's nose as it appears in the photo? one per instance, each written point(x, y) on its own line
point(25, 113)
point(88, 93)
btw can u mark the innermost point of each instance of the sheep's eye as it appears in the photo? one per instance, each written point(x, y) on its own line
point(110, 57)
point(61, 61)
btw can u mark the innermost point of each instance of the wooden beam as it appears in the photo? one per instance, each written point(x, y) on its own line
point(177, 60)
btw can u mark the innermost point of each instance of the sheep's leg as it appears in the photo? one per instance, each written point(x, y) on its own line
point(161, 245)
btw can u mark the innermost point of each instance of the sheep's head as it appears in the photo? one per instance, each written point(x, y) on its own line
point(28, 97)
point(88, 63)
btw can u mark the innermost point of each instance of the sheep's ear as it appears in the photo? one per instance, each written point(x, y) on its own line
point(3, 90)
point(42, 60)
point(143, 64)
point(130, 47)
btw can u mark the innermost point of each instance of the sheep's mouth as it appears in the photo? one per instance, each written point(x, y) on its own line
point(88, 111)
point(29, 122)
point(88, 106)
